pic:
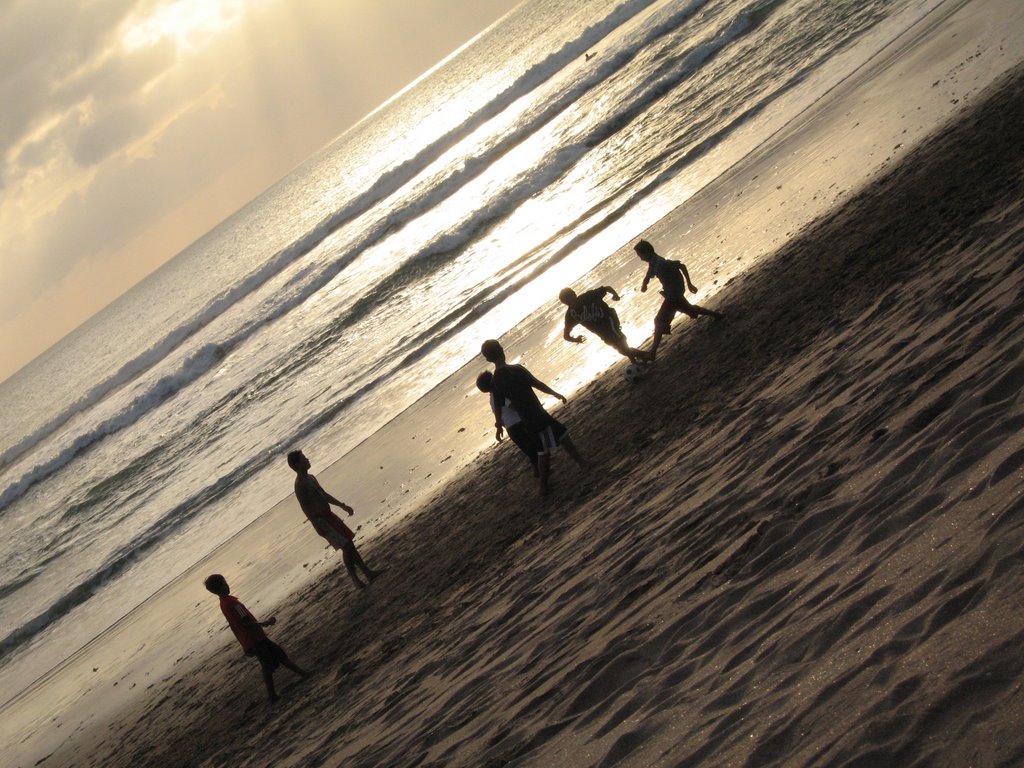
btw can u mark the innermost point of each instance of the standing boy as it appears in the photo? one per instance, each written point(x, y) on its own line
point(517, 385)
point(671, 274)
point(589, 310)
point(249, 632)
point(316, 504)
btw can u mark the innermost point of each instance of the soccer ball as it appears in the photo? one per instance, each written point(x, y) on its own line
point(633, 373)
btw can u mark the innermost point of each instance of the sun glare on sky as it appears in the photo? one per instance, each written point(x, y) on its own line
point(189, 23)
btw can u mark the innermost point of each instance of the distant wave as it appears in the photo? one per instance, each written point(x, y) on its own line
point(191, 369)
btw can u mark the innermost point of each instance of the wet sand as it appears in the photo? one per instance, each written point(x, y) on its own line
point(801, 544)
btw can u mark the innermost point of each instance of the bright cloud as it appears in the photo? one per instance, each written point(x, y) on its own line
point(191, 24)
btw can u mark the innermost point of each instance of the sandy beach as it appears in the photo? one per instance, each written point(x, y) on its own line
point(801, 543)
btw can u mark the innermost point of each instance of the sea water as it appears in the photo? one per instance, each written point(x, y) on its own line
point(346, 292)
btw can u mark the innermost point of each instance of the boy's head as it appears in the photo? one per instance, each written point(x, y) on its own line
point(218, 585)
point(485, 381)
point(644, 250)
point(567, 296)
point(492, 351)
point(297, 460)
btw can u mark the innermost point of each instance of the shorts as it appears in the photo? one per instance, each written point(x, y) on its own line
point(669, 307)
point(270, 654)
point(338, 534)
point(550, 436)
point(522, 437)
point(610, 331)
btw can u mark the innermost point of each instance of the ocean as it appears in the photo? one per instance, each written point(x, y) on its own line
point(345, 294)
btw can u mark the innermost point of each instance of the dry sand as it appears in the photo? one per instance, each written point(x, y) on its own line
point(803, 544)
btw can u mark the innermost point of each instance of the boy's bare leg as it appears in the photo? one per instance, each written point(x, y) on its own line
point(570, 448)
point(707, 312)
point(543, 468)
point(287, 664)
point(369, 572)
point(268, 680)
point(622, 347)
point(349, 555)
point(640, 356)
point(654, 345)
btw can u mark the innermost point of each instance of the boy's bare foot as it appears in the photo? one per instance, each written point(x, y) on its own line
point(643, 357)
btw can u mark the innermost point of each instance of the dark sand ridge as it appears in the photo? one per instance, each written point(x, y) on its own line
point(802, 546)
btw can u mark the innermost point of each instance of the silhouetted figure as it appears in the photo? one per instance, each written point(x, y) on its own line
point(506, 418)
point(316, 503)
point(249, 632)
point(516, 384)
point(590, 310)
point(671, 274)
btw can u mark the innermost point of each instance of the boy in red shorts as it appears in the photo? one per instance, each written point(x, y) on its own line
point(249, 632)
point(674, 281)
point(316, 504)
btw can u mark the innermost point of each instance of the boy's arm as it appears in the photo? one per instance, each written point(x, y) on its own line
point(647, 277)
point(252, 622)
point(569, 337)
point(610, 291)
point(330, 499)
point(499, 423)
point(571, 321)
point(538, 384)
point(246, 619)
point(310, 495)
point(686, 277)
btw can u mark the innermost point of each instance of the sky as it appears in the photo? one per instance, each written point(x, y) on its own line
point(129, 128)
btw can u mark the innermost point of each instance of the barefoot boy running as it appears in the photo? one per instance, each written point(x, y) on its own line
point(674, 281)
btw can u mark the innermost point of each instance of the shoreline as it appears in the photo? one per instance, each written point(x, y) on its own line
point(737, 584)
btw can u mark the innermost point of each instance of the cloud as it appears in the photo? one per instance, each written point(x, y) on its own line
point(81, 122)
point(103, 136)
point(117, 74)
point(123, 198)
point(120, 107)
point(40, 44)
point(100, 108)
